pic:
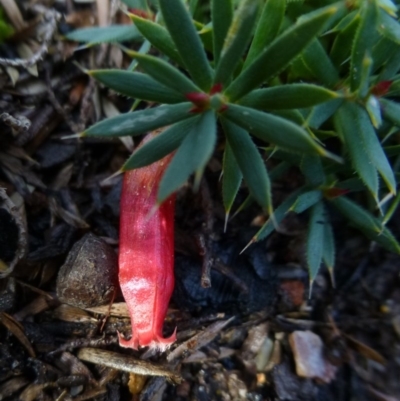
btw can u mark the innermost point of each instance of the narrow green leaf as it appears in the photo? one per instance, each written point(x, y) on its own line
point(319, 63)
point(329, 250)
point(187, 41)
point(341, 48)
point(231, 179)
point(355, 142)
point(391, 110)
point(280, 53)
point(158, 36)
point(364, 82)
point(192, 156)
point(276, 130)
point(363, 41)
point(237, 40)
point(251, 164)
point(244, 205)
point(267, 28)
point(290, 96)
point(136, 85)
point(305, 201)
point(389, 6)
point(221, 15)
point(362, 128)
point(165, 73)
point(392, 209)
point(311, 167)
point(382, 51)
point(279, 170)
point(292, 115)
point(374, 111)
point(322, 113)
point(389, 27)
point(143, 49)
point(357, 215)
point(106, 34)
point(369, 225)
point(315, 240)
point(161, 145)
point(391, 67)
point(141, 121)
point(345, 22)
point(279, 214)
point(193, 6)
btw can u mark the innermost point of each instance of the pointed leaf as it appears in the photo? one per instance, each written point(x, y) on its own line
point(315, 240)
point(158, 36)
point(237, 40)
point(391, 209)
point(231, 178)
point(322, 113)
point(192, 156)
point(365, 74)
point(305, 201)
point(251, 164)
point(311, 167)
point(382, 50)
point(161, 145)
point(388, 6)
point(329, 251)
point(290, 96)
point(267, 28)
point(106, 34)
point(355, 140)
point(389, 27)
point(363, 41)
point(276, 130)
point(341, 48)
point(279, 214)
point(221, 15)
point(280, 53)
point(362, 128)
point(391, 110)
point(141, 121)
point(136, 85)
point(391, 67)
point(187, 41)
point(165, 73)
point(319, 63)
point(369, 225)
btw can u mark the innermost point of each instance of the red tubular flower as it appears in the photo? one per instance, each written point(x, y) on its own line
point(146, 255)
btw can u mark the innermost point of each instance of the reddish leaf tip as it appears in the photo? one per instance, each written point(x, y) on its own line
point(332, 193)
point(381, 88)
point(217, 88)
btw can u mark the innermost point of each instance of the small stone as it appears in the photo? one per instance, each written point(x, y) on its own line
point(310, 363)
point(89, 275)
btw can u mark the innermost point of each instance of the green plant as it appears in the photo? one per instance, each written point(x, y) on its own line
point(302, 76)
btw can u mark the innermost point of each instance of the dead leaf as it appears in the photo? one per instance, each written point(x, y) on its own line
point(18, 331)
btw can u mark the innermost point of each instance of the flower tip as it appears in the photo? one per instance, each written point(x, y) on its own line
point(132, 343)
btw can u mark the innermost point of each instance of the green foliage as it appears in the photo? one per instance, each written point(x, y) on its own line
point(107, 34)
point(302, 78)
point(6, 30)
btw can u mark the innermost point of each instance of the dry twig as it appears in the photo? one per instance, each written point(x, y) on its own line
point(50, 17)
